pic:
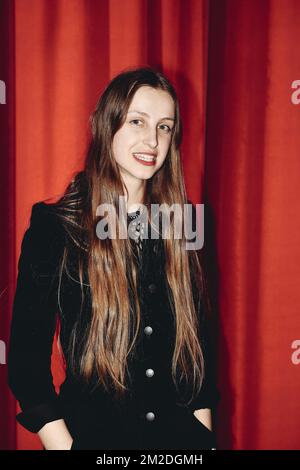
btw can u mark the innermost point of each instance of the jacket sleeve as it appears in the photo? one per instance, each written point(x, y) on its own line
point(209, 395)
point(34, 317)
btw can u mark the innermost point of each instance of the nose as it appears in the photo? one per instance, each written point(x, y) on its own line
point(150, 137)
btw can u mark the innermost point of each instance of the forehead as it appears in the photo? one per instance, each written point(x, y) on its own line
point(153, 101)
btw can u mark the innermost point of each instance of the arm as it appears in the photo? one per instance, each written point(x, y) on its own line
point(33, 326)
point(204, 415)
point(208, 397)
point(55, 436)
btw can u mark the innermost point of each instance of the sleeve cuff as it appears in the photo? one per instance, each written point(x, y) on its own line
point(209, 399)
point(35, 418)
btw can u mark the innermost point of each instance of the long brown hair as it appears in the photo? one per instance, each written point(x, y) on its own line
point(112, 330)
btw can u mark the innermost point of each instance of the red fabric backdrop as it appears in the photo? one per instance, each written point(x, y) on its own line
point(233, 63)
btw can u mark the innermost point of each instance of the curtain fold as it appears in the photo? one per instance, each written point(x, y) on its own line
point(252, 195)
point(66, 51)
point(7, 210)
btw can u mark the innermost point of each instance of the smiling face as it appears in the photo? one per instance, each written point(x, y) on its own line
point(141, 145)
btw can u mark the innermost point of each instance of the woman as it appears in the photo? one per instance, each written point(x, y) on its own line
point(130, 309)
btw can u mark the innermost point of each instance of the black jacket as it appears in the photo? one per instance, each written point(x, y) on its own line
point(150, 416)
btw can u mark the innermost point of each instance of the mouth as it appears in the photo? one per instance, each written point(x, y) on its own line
point(145, 159)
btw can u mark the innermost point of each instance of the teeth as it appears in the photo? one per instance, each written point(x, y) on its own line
point(146, 158)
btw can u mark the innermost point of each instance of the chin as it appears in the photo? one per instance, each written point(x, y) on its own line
point(144, 175)
point(139, 173)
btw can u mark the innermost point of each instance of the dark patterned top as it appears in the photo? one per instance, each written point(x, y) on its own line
point(153, 413)
point(138, 226)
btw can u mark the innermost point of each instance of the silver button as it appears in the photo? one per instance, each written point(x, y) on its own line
point(155, 249)
point(150, 416)
point(148, 330)
point(152, 288)
point(149, 372)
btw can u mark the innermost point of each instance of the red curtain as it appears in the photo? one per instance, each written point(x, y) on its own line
point(233, 64)
point(252, 188)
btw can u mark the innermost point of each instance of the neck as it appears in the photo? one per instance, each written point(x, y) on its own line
point(136, 191)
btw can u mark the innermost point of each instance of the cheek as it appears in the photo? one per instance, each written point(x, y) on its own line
point(165, 145)
point(122, 141)
point(118, 146)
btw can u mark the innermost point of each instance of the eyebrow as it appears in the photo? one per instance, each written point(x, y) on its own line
point(145, 114)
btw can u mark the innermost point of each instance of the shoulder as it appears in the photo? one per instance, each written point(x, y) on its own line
point(192, 209)
point(194, 219)
point(41, 211)
point(46, 218)
point(45, 222)
point(45, 235)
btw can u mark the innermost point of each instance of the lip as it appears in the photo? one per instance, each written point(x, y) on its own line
point(143, 162)
point(147, 153)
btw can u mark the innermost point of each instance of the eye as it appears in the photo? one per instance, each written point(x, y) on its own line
point(166, 128)
point(135, 121)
